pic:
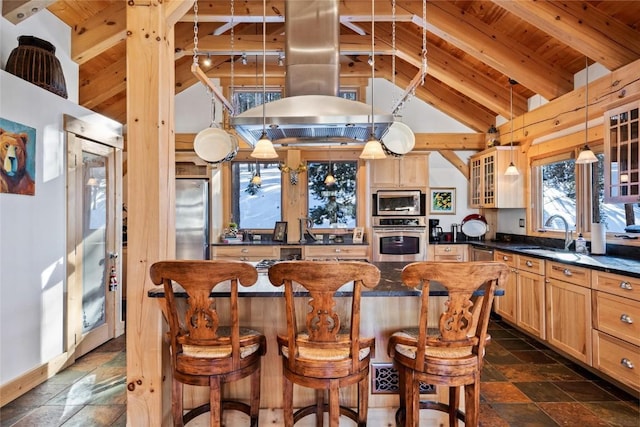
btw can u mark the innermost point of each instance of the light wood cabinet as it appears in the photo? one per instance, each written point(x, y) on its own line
point(489, 187)
point(622, 154)
point(245, 252)
point(506, 304)
point(568, 310)
point(410, 171)
point(336, 251)
point(616, 335)
point(530, 295)
point(444, 252)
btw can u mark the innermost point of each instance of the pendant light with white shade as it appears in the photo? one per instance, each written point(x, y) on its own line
point(586, 156)
point(264, 147)
point(373, 148)
point(512, 170)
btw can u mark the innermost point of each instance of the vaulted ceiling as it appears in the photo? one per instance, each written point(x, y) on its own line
point(473, 47)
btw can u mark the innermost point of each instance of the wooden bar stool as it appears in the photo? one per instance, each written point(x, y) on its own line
point(452, 354)
point(328, 352)
point(207, 348)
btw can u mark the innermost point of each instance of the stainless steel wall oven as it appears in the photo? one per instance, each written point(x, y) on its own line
point(399, 239)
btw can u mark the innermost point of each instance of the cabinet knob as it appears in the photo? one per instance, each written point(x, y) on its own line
point(529, 264)
point(337, 250)
point(626, 286)
point(567, 272)
point(626, 363)
point(447, 249)
point(505, 258)
point(244, 251)
point(625, 318)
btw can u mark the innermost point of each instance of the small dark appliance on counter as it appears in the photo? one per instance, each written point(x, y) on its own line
point(435, 231)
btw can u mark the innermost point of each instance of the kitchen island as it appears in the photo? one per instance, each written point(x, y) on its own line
point(389, 307)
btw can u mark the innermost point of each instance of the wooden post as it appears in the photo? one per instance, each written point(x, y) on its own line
point(151, 217)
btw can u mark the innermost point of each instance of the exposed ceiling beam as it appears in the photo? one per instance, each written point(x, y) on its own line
point(111, 81)
point(175, 9)
point(568, 110)
point(583, 27)
point(449, 141)
point(498, 51)
point(448, 101)
point(99, 33)
point(456, 161)
point(455, 73)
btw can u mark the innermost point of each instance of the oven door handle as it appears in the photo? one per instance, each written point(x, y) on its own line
point(399, 230)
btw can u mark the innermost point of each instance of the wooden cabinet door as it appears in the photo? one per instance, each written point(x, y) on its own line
point(414, 171)
point(622, 154)
point(406, 172)
point(530, 303)
point(385, 173)
point(506, 304)
point(568, 320)
point(489, 187)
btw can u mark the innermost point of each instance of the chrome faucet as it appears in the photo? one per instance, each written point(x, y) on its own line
point(567, 233)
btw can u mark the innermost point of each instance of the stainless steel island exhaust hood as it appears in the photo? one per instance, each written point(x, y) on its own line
point(312, 112)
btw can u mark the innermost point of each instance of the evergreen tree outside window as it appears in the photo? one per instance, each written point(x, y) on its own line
point(332, 206)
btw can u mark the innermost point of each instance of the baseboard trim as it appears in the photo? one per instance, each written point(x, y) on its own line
point(31, 379)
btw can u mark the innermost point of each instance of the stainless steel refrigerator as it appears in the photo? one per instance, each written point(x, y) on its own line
point(192, 218)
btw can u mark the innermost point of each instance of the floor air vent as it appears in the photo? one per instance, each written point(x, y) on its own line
point(385, 380)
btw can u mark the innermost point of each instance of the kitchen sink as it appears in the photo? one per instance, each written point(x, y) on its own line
point(554, 253)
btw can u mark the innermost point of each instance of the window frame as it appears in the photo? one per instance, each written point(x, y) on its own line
point(358, 184)
point(584, 191)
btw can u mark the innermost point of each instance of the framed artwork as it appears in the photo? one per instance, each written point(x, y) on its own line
point(280, 231)
point(17, 158)
point(358, 234)
point(443, 201)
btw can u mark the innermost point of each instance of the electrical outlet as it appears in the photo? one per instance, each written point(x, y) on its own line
point(521, 222)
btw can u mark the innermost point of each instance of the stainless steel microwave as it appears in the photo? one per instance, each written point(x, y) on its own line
point(399, 203)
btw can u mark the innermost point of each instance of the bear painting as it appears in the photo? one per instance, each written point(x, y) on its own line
point(16, 158)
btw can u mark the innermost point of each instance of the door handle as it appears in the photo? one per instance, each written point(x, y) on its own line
point(113, 255)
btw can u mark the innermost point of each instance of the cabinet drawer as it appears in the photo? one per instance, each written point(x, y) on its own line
point(628, 287)
point(569, 273)
point(245, 252)
point(506, 257)
point(617, 358)
point(335, 251)
point(449, 253)
point(530, 264)
point(618, 316)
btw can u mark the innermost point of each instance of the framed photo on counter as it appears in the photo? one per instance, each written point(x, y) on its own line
point(358, 234)
point(280, 231)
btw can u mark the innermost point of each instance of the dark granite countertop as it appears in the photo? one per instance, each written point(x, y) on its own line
point(390, 285)
point(320, 242)
point(607, 263)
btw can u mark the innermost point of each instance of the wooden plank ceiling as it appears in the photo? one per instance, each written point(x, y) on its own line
point(474, 47)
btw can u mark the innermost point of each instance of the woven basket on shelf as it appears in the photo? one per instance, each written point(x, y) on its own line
point(34, 60)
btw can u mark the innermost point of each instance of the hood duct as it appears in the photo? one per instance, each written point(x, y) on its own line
point(312, 112)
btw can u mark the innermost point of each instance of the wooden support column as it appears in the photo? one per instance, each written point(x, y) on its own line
point(151, 218)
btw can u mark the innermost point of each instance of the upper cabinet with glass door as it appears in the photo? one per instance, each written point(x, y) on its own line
point(622, 154)
point(489, 187)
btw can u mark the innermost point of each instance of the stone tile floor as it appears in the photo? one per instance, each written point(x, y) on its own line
point(524, 383)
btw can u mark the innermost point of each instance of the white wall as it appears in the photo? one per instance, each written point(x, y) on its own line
point(33, 228)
